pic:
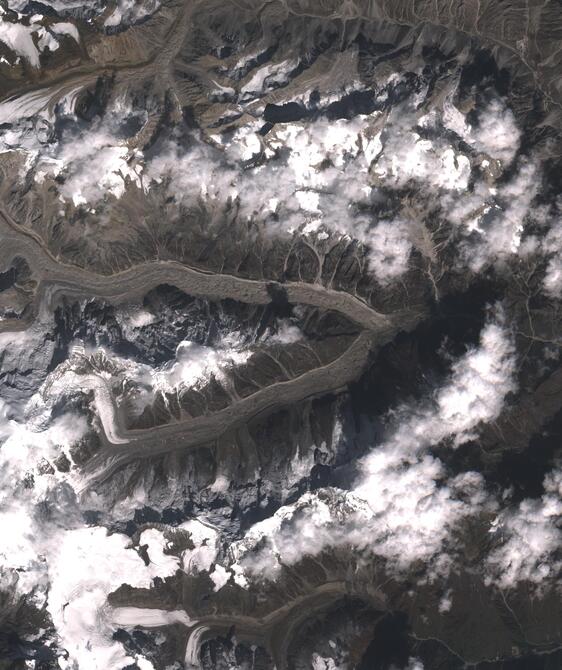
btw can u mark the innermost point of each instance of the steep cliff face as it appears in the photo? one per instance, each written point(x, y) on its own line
point(280, 379)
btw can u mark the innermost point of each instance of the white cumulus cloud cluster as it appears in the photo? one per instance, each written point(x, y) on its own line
point(496, 132)
point(494, 218)
point(530, 539)
point(317, 176)
point(320, 178)
point(552, 248)
point(91, 162)
point(404, 505)
point(413, 664)
point(93, 165)
point(323, 177)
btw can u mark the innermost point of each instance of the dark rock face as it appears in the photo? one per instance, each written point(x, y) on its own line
point(280, 317)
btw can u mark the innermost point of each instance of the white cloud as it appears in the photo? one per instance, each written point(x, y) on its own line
point(414, 510)
point(92, 162)
point(92, 169)
point(19, 558)
point(446, 602)
point(407, 156)
point(491, 219)
point(403, 506)
point(316, 177)
point(405, 503)
point(496, 132)
point(479, 382)
point(25, 445)
point(131, 318)
point(194, 365)
point(321, 663)
point(390, 248)
point(413, 664)
point(192, 174)
point(220, 577)
point(504, 234)
point(48, 557)
point(529, 539)
point(553, 278)
point(286, 333)
point(26, 479)
point(552, 248)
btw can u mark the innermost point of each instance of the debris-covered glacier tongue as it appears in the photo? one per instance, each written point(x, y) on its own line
point(280, 377)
